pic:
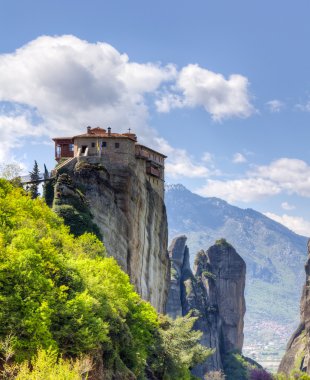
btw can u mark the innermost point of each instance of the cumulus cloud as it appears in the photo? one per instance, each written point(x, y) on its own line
point(54, 86)
point(275, 105)
point(222, 98)
point(295, 223)
point(239, 158)
point(305, 107)
point(71, 82)
point(287, 206)
point(292, 175)
point(243, 190)
point(285, 175)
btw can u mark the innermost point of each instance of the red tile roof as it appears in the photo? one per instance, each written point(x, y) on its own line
point(100, 132)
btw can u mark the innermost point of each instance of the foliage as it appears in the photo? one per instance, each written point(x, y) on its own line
point(46, 365)
point(236, 366)
point(177, 349)
point(62, 292)
point(62, 295)
point(209, 275)
point(223, 242)
point(73, 208)
point(295, 374)
point(259, 374)
point(34, 176)
point(11, 172)
point(48, 188)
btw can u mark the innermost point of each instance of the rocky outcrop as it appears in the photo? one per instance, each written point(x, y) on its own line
point(124, 206)
point(297, 354)
point(214, 292)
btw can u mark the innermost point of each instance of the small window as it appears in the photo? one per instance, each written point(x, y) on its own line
point(104, 144)
point(93, 145)
point(116, 145)
point(71, 147)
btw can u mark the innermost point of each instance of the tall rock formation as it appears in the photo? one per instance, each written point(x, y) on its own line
point(125, 206)
point(297, 354)
point(214, 291)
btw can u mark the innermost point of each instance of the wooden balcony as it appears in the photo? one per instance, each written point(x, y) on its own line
point(153, 171)
point(142, 154)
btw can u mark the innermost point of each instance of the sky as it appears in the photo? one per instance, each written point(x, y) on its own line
point(221, 87)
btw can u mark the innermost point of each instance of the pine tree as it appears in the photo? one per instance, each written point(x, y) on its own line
point(34, 177)
point(48, 188)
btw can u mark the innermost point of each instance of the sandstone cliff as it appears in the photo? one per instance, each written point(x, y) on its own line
point(297, 354)
point(125, 207)
point(214, 291)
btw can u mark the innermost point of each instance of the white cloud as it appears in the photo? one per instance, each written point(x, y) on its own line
point(239, 158)
point(287, 206)
point(305, 107)
point(285, 175)
point(207, 157)
point(222, 98)
point(292, 175)
point(243, 190)
point(54, 86)
point(73, 83)
point(294, 223)
point(275, 105)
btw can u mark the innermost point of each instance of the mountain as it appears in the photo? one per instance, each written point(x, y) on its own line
point(274, 256)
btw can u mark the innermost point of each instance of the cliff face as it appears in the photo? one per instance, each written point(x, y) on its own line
point(297, 354)
point(125, 206)
point(215, 289)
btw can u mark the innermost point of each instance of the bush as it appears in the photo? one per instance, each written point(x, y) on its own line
point(47, 366)
point(260, 374)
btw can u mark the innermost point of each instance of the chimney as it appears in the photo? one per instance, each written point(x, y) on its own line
point(88, 129)
point(109, 131)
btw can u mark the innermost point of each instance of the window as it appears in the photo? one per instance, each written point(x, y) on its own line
point(93, 145)
point(116, 145)
point(58, 150)
point(71, 147)
point(104, 144)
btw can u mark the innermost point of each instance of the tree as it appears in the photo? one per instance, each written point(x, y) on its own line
point(34, 177)
point(11, 172)
point(178, 348)
point(48, 188)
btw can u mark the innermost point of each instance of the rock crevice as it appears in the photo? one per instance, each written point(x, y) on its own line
point(214, 292)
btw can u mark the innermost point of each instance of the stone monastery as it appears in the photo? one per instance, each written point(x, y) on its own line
point(112, 149)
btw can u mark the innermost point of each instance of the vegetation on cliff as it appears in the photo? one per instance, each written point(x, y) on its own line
point(63, 294)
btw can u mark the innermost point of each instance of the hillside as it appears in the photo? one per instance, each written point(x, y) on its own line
point(274, 256)
point(61, 296)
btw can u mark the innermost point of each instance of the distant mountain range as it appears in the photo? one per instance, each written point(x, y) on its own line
point(274, 255)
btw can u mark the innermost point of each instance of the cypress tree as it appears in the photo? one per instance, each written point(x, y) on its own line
point(48, 188)
point(34, 177)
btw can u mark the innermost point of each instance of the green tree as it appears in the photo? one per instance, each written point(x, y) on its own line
point(34, 177)
point(178, 348)
point(11, 172)
point(48, 188)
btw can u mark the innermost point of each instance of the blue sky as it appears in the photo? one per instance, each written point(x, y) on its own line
point(222, 87)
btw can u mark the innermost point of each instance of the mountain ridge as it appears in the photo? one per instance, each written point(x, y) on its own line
point(274, 255)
